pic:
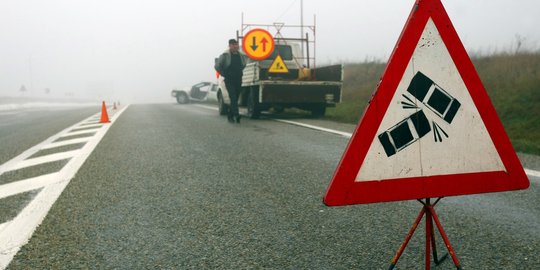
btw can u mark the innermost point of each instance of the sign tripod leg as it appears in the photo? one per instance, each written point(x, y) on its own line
point(429, 211)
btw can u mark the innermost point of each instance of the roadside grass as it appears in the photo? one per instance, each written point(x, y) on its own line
point(512, 81)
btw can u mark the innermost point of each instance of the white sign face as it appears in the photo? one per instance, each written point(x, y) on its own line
point(432, 126)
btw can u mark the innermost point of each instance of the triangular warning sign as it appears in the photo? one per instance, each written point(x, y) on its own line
point(430, 129)
point(278, 66)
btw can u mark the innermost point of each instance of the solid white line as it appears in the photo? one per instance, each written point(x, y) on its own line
point(42, 159)
point(66, 142)
point(15, 234)
point(344, 134)
point(27, 185)
point(529, 172)
point(534, 173)
point(207, 107)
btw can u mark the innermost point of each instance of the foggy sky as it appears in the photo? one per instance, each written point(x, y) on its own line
point(138, 50)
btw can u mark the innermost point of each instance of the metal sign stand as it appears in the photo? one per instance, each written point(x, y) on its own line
point(431, 216)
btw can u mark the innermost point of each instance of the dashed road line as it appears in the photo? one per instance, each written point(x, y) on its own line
point(16, 232)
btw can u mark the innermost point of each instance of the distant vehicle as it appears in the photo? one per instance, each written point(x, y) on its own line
point(434, 97)
point(200, 92)
point(303, 86)
point(405, 133)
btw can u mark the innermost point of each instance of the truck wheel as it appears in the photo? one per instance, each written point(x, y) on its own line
point(223, 108)
point(182, 98)
point(253, 106)
point(318, 111)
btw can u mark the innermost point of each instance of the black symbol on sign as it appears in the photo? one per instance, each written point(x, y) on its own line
point(417, 125)
point(436, 134)
point(434, 97)
point(405, 133)
point(409, 104)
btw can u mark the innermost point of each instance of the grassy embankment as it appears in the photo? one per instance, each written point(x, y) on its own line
point(512, 82)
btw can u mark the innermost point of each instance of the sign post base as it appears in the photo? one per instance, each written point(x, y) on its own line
point(429, 211)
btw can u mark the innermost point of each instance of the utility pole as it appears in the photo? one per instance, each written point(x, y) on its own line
point(30, 68)
point(302, 26)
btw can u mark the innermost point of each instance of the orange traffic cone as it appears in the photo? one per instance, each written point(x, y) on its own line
point(104, 115)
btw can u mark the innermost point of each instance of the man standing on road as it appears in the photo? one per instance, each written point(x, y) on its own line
point(230, 65)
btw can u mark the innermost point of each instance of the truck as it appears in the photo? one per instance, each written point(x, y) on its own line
point(199, 92)
point(304, 86)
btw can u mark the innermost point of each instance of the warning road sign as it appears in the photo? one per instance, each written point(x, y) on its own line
point(278, 66)
point(258, 44)
point(430, 129)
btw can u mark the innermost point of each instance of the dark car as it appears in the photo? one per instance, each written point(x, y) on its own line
point(405, 133)
point(434, 97)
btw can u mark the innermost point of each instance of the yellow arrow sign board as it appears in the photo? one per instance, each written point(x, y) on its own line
point(278, 66)
point(258, 44)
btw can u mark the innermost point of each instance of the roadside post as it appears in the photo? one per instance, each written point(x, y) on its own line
point(429, 131)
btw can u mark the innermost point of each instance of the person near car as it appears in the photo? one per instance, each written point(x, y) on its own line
point(230, 65)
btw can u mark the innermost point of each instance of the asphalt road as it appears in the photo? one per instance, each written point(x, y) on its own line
point(177, 187)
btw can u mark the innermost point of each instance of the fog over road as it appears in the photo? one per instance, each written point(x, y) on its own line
point(177, 187)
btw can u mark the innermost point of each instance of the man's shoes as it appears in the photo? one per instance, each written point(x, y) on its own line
point(238, 119)
point(230, 118)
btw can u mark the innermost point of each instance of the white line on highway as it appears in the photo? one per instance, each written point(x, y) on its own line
point(27, 185)
point(42, 159)
point(66, 142)
point(91, 126)
point(88, 132)
point(529, 172)
point(207, 107)
point(15, 233)
point(344, 134)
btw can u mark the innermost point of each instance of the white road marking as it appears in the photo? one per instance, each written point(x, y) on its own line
point(66, 142)
point(529, 172)
point(42, 159)
point(27, 185)
point(15, 233)
point(91, 126)
point(534, 173)
point(91, 123)
point(333, 131)
point(82, 132)
point(207, 107)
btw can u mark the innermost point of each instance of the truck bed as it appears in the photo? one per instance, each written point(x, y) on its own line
point(320, 85)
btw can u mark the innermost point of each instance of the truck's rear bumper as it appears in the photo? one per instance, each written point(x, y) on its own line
point(285, 92)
